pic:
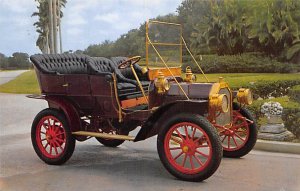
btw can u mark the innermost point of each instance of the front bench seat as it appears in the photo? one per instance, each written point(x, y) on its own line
point(127, 88)
point(61, 63)
point(127, 72)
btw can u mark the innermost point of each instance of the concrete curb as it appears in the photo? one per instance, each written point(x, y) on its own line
point(275, 146)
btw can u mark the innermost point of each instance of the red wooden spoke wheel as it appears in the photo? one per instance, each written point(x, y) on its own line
point(51, 137)
point(239, 138)
point(113, 128)
point(189, 147)
point(236, 136)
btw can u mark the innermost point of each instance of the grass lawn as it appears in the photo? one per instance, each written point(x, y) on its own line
point(237, 80)
point(27, 83)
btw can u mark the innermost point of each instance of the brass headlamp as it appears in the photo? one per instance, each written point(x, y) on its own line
point(245, 96)
point(161, 83)
point(219, 102)
point(189, 76)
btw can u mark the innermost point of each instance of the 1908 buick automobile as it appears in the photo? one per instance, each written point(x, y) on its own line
point(196, 123)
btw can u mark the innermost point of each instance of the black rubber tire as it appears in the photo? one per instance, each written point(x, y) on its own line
point(112, 142)
point(70, 140)
point(252, 135)
point(122, 131)
point(214, 139)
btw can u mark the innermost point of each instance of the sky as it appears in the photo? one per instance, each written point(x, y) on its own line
point(85, 22)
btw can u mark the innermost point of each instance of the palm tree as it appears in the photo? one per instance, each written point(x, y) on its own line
point(47, 24)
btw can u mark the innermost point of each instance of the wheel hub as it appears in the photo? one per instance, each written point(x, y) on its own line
point(189, 147)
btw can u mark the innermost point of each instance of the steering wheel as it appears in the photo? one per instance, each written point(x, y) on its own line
point(129, 62)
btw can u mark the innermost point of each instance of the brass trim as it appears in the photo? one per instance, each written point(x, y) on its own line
point(194, 59)
point(139, 82)
point(104, 135)
point(117, 98)
point(166, 44)
point(161, 43)
point(166, 23)
point(167, 68)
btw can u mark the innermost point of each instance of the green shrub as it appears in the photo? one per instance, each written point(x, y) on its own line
point(291, 118)
point(243, 63)
point(294, 93)
point(278, 88)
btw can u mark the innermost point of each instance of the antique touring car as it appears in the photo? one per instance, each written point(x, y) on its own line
point(196, 123)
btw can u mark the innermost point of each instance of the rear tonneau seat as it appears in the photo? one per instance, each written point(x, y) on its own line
point(61, 63)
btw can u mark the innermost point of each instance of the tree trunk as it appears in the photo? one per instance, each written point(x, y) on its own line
point(55, 25)
point(59, 26)
point(51, 45)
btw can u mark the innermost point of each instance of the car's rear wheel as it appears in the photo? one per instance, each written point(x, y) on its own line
point(113, 128)
point(240, 138)
point(189, 147)
point(51, 137)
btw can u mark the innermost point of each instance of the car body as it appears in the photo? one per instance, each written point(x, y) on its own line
point(109, 98)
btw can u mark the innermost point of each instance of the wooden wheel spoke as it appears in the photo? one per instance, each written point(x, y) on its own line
point(205, 155)
point(193, 134)
point(184, 160)
point(186, 133)
point(60, 139)
point(178, 155)
point(59, 145)
point(234, 141)
point(191, 161)
point(179, 134)
point(55, 148)
point(239, 137)
point(202, 146)
point(198, 139)
point(228, 141)
point(51, 147)
point(224, 138)
point(198, 160)
point(175, 148)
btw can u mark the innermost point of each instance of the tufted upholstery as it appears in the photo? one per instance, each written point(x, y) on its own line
point(83, 64)
point(61, 63)
point(127, 87)
point(100, 65)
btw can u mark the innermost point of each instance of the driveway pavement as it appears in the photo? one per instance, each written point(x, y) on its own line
point(6, 76)
point(132, 166)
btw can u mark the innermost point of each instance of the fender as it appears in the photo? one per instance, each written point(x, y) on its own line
point(152, 125)
point(63, 104)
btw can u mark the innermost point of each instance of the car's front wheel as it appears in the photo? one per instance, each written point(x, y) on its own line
point(240, 138)
point(189, 147)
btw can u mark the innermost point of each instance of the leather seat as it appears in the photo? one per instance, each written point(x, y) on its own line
point(127, 88)
point(61, 63)
point(127, 72)
point(83, 64)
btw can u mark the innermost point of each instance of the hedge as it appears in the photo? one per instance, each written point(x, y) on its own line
point(291, 118)
point(294, 93)
point(244, 63)
point(265, 89)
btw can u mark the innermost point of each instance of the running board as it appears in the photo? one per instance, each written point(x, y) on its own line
point(104, 135)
